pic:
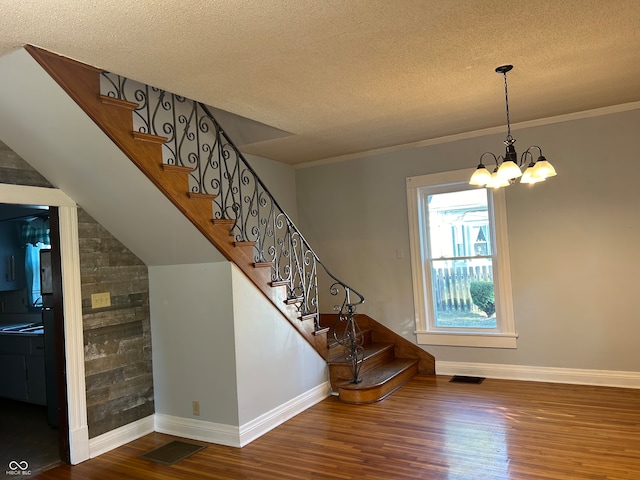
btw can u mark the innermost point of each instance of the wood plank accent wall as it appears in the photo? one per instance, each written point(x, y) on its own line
point(15, 171)
point(117, 339)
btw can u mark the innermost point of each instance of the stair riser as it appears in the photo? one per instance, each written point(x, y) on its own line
point(377, 393)
point(339, 373)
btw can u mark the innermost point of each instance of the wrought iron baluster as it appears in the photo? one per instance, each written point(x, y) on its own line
point(209, 181)
point(347, 332)
point(169, 129)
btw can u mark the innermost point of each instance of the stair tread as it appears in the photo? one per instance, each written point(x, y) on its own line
point(379, 375)
point(118, 102)
point(370, 350)
point(149, 137)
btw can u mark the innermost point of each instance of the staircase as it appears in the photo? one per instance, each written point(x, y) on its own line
point(388, 362)
point(214, 187)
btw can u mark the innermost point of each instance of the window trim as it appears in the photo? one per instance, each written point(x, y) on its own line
point(507, 336)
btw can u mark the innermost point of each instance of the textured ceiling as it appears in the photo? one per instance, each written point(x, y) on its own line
point(350, 76)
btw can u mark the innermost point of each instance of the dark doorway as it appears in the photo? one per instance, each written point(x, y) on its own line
point(33, 409)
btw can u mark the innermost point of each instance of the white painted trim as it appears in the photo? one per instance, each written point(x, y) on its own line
point(73, 328)
point(489, 340)
point(605, 378)
point(504, 336)
point(503, 288)
point(72, 298)
point(121, 436)
point(596, 112)
point(26, 195)
point(270, 420)
point(416, 229)
point(198, 430)
point(232, 435)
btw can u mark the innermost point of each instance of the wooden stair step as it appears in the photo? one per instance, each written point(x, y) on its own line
point(118, 102)
point(379, 333)
point(374, 356)
point(380, 382)
point(262, 264)
point(320, 332)
point(202, 196)
point(171, 168)
point(294, 300)
point(370, 350)
point(227, 223)
point(149, 137)
point(311, 316)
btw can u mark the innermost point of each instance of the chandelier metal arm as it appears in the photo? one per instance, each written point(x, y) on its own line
point(535, 147)
point(497, 159)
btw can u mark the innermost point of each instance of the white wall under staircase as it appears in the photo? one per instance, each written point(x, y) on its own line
point(43, 125)
point(222, 344)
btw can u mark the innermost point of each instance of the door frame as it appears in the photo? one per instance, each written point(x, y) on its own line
point(72, 306)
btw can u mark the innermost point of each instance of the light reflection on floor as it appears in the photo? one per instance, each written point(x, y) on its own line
point(476, 445)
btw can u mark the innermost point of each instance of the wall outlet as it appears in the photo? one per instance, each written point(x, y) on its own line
point(101, 300)
point(196, 407)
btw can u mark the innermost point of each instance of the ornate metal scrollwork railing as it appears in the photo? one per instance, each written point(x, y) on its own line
point(196, 140)
point(346, 330)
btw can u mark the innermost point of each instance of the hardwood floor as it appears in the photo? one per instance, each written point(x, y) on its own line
point(429, 429)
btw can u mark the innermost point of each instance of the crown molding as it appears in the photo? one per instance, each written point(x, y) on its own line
point(597, 112)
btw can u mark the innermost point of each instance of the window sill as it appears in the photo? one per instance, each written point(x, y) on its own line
point(487, 340)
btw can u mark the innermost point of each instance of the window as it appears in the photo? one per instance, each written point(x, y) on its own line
point(32, 271)
point(35, 235)
point(460, 262)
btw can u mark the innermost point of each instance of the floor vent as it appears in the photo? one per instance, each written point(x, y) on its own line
point(172, 452)
point(464, 379)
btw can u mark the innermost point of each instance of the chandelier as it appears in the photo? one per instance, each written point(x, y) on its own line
point(508, 168)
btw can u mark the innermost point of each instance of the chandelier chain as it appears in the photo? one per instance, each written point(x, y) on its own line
point(506, 101)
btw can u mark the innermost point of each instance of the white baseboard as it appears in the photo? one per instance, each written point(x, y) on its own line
point(120, 436)
point(234, 436)
point(605, 378)
point(79, 444)
point(270, 420)
point(201, 430)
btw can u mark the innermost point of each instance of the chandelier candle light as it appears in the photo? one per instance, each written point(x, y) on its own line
point(507, 168)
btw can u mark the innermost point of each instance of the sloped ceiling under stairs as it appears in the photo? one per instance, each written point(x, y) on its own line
point(43, 125)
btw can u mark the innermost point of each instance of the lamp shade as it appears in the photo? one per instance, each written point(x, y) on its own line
point(543, 169)
point(497, 181)
point(528, 177)
point(509, 170)
point(480, 177)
